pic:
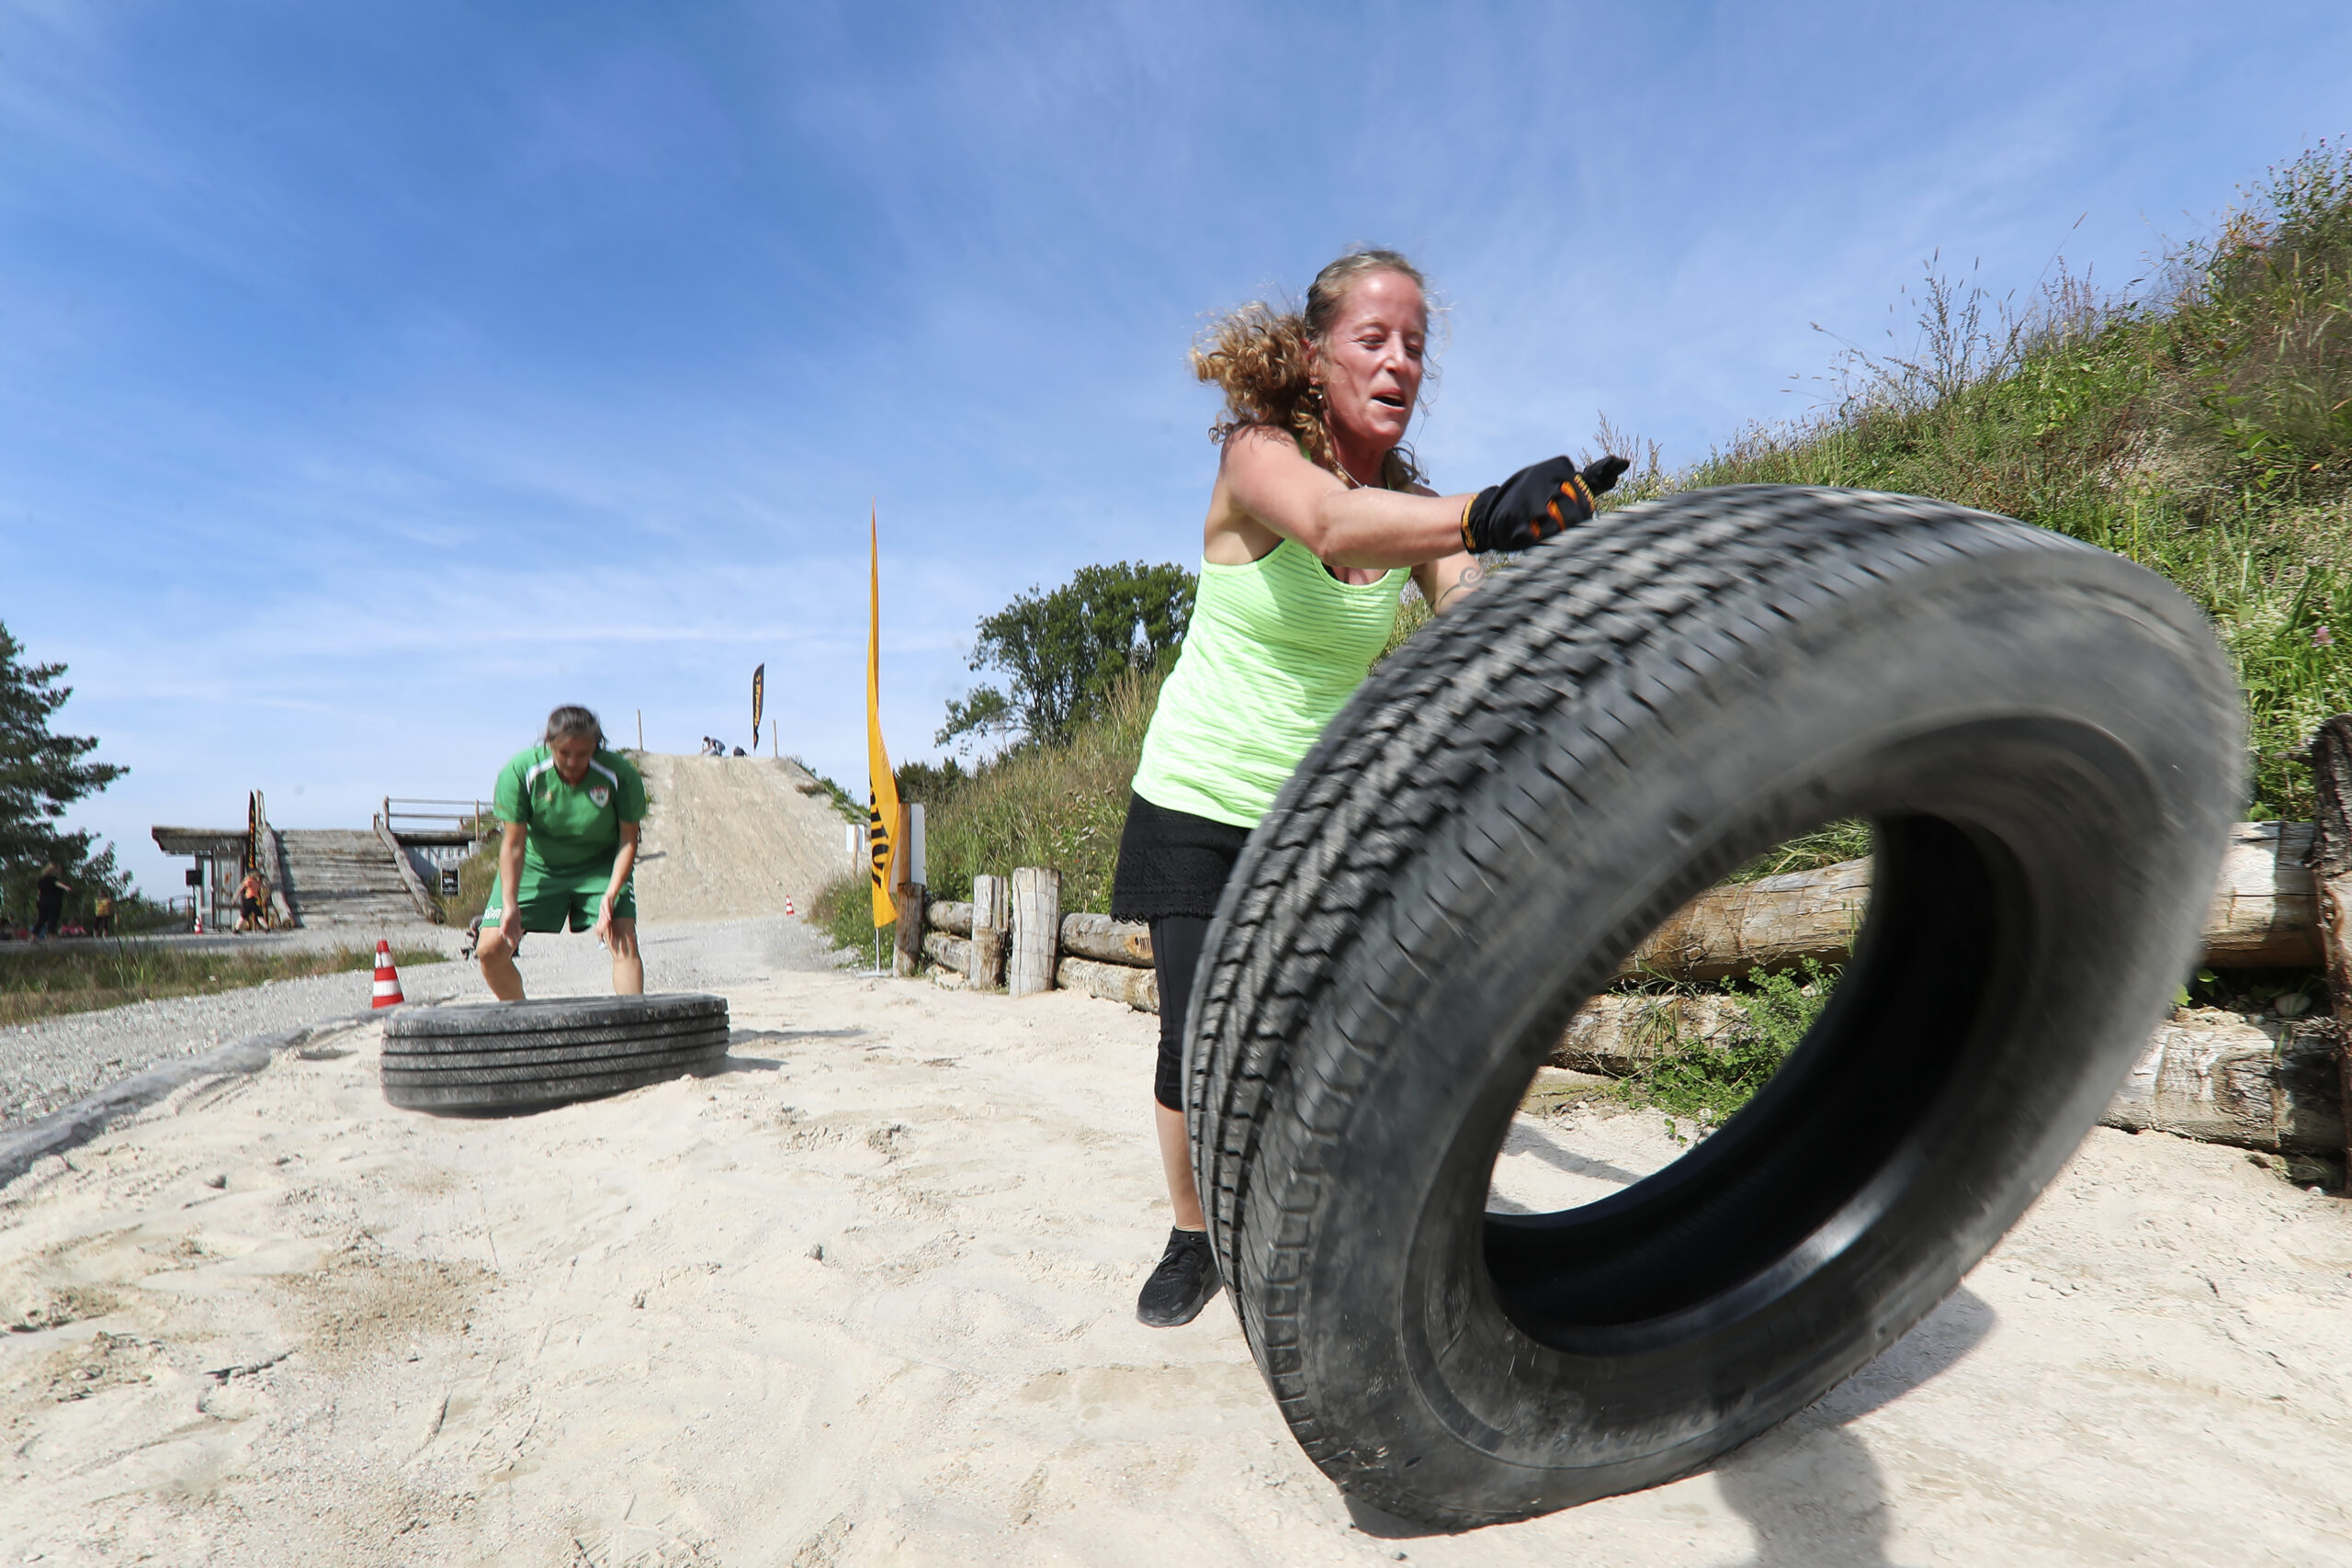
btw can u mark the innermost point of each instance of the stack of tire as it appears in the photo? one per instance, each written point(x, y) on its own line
point(501, 1056)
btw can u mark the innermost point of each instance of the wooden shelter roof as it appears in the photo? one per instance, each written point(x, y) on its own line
point(200, 841)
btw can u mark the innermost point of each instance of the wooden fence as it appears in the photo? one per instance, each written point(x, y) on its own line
point(2261, 1083)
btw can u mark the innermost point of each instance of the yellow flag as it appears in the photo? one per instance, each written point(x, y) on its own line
point(882, 790)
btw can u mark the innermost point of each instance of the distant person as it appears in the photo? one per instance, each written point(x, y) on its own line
point(253, 902)
point(570, 811)
point(49, 900)
point(739, 750)
point(1317, 518)
point(102, 916)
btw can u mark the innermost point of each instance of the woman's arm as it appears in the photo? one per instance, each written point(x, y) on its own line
point(1276, 493)
point(624, 862)
point(1443, 583)
point(510, 880)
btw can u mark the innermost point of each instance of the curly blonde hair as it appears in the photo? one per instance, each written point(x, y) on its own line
point(1261, 357)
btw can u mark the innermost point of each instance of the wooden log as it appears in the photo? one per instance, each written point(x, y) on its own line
point(2221, 1077)
point(2266, 911)
point(946, 952)
point(1036, 901)
point(2265, 915)
point(946, 915)
point(1139, 988)
point(1617, 1033)
point(2330, 860)
point(1773, 923)
point(1107, 941)
point(991, 922)
point(908, 945)
point(2227, 1078)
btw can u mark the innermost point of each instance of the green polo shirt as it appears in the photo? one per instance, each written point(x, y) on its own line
point(567, 828)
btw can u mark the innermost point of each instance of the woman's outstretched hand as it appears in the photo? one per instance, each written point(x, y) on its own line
point(1536, 502)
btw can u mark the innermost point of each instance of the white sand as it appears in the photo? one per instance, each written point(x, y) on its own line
point(604, 1335)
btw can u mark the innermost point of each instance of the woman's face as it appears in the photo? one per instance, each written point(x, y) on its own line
point(1370, 361)
point(572, 755)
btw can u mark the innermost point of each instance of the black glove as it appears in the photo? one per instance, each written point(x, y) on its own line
point(1535, 504)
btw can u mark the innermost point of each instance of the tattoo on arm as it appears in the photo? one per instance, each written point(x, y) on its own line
point(1472, 575)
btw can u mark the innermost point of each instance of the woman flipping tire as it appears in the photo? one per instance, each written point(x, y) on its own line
point(2046, 741)
point(1318, 513)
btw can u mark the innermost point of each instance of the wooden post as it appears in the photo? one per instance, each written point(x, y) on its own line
point(1036, 899)
point(908, 940)
point(991, 917)
point(2331, 863)
point(907, 858)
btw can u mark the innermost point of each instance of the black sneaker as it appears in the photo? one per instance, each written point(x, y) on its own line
point(1183, 1283)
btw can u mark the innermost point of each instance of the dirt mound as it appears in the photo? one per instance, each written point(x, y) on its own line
point(731, 836)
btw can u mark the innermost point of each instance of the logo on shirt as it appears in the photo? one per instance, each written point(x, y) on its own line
point(600, 795)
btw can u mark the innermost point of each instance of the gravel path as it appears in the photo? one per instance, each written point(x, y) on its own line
point(48, 1066)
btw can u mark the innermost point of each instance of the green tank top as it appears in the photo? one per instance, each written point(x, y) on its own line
point(1273, 649)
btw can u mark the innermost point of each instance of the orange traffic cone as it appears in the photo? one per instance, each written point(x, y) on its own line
point(387, 979)
point(787, 907)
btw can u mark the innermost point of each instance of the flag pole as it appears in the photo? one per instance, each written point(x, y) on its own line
point(882, 788)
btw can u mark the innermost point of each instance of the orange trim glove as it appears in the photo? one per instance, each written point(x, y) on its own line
point(1536, 502)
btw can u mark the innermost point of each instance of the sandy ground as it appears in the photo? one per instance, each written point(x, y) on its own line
point(867, 1298)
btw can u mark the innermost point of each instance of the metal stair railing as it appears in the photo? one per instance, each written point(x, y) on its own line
point(422, 824)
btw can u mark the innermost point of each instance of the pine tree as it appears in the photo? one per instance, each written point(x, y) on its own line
point(40, 774)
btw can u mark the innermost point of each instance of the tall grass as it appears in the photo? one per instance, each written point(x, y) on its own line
point(477, 879)
point(81, 977)
point(2203, 430)
point(843, 910)
point(1060, 806)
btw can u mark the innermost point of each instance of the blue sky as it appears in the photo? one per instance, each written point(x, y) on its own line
point(373, 378)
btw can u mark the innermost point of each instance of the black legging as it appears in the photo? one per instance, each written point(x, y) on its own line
point(1176, 942)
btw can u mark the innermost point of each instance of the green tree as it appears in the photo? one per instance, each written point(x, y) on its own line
point(40, 774)
point(934, 783)
point(1060, 651)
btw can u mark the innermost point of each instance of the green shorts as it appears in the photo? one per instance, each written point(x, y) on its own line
point(551, 899)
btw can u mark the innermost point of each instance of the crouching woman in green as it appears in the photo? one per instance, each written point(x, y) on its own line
point(570, 811)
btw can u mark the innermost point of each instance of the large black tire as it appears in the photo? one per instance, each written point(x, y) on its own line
point(2048, 744)
point(493, 1056)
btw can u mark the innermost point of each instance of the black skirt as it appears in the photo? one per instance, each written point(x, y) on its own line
point(1171, 862)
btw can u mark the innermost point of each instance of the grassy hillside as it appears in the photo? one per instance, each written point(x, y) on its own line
point(2202, 429)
